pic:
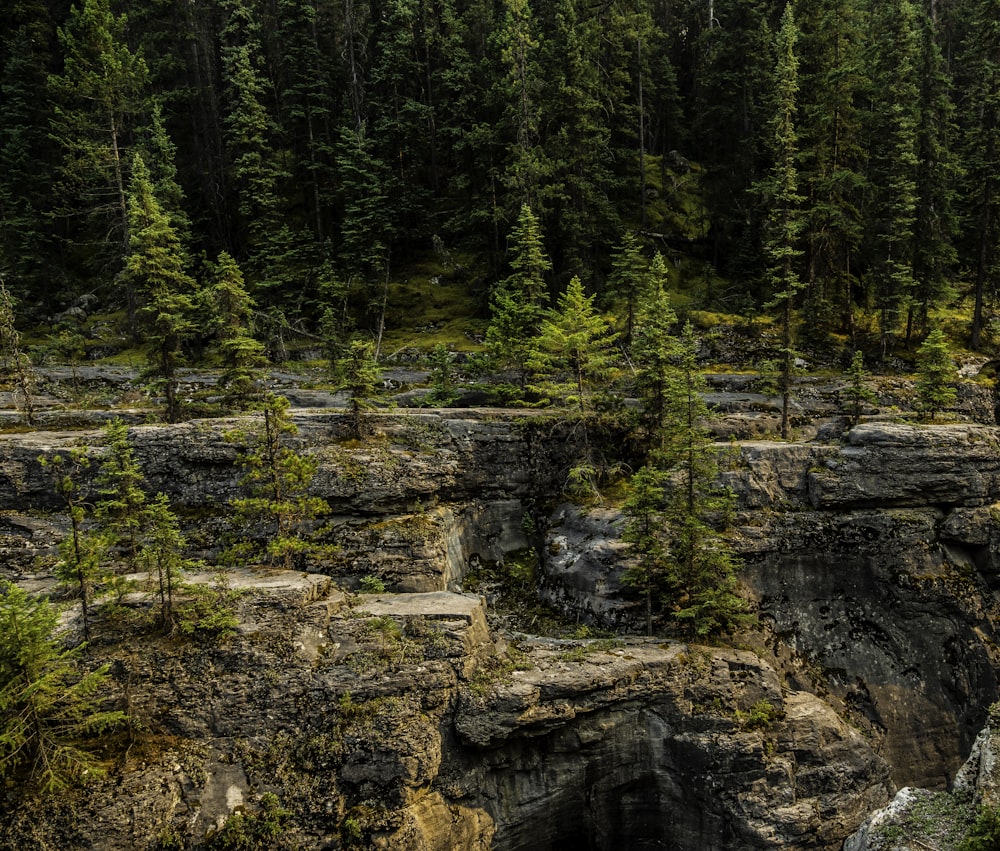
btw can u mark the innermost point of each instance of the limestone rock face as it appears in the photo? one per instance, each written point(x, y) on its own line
point(582, 566)
point(890, 464)
point(399, 721)
point(372, 723)
point(880, 576)
point(649, 746)
point(874, 563)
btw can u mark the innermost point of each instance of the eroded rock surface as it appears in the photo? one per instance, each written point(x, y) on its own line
point(386, 723)
point(398, 721)
point(873, 563)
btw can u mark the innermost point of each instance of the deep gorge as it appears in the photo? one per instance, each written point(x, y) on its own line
point(872, 561)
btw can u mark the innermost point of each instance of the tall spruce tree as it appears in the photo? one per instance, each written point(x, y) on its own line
point(242, 355)
point(160, 156)
point(654, 352)
point(155, 268)
point(399, 116)
point(29, 253)
point(831, 156)
point(520, 92)
point(308, 105)
point(121, 487)
point(784, 219)
point(257, 168)
point(518, 302)
point(575, 160)
point(733, 60)
point(701, 567)
point(938, 177)
point(980, 111)
point(629, 280)
point(367, 225)
point(97, 100)
point(893, 165)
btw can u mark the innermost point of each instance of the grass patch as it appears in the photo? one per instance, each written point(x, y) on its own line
point(585, 651)
point(434, 304)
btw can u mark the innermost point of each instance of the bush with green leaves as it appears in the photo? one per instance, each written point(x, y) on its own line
point(985, 833)
point(249, 830)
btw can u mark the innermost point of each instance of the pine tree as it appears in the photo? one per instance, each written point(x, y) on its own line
point(368, 225)
point(520, 92)
point(980, 110)
point(279, 506)
point(97, 100)
point(163, 555)
point(858, 392)
point(654, 353)
point(936, 375)
point(832, 155)
point(29, 252)
point(242, 356)
point(574, 158)
point(784, 217)
point(733, 63)
point(701, 568)
point(935, 225)
point(398, 116)
point(519, 300)
point(629, 280)
point(155, 268)
point(121, 506)
point(160, 155)
point(308, 105)
point(83, 556)
point(258, 171)
point(573, 353)
point(468, 104)
point(51, 715)
point(893, 161)
point(359, 376)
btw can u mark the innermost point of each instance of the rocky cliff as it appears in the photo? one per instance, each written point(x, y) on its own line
point(402, 721)
point(873, 563)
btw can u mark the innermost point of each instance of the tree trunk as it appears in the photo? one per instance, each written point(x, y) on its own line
point(982, 265)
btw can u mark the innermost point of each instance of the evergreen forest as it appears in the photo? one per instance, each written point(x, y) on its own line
point(835, 160)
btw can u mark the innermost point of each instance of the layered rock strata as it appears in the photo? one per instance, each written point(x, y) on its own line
point(394, 721)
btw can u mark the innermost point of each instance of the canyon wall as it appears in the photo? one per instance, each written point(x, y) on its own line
point(401, 721)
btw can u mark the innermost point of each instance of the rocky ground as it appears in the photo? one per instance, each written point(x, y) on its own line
point(413, 719)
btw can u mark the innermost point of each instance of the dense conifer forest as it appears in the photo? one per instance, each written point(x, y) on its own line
point(829, 159)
